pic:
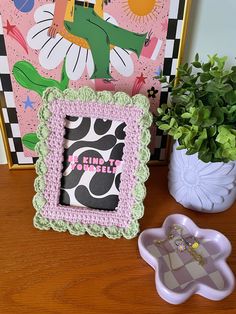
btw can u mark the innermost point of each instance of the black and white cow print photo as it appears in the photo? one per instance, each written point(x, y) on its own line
point(92, 164)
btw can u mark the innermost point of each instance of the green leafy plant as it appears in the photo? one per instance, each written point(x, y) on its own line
point(28, 77)
point(202, 112)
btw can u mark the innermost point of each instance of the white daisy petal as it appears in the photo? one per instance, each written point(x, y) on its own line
point(215, 199)
point(90, 63)
point(225, 180)
point(216, 189)
point(110, 19)
point(179, 157)
point(121, 61)
point(215, 169)
point(211, 168)
point(194, 199)
point(174, 175)
point(44, 12)
point(202, 165)
point(185, 199)
point(54, 52)
point(175, 163)
point(181, 194)
point(191, 160)
point(225, 170)
point(205, 200)
point(75, 62)
point(175, 187)
point(37, 36)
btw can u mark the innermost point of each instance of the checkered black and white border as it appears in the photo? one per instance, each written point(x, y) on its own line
point(176, 15)
point(9, 109)
point(175, 25)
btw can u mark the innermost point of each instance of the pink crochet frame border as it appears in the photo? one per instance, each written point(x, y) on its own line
point(131, 116)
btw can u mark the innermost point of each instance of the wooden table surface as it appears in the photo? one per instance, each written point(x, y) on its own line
point(50, 272)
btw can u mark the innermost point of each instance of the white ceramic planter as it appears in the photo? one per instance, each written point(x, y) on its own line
point(207, 187)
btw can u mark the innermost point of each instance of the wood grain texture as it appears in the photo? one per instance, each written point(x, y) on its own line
point(50, 272)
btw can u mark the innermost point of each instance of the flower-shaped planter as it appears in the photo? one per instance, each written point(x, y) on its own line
point(179, 274)
point(206, 187)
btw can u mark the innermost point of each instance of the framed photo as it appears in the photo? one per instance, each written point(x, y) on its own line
point(116, 45)
point(92, 162)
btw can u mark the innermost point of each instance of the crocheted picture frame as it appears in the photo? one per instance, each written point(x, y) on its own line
point(92, 162)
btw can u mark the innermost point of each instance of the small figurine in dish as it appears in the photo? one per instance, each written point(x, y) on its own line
point(187, 260)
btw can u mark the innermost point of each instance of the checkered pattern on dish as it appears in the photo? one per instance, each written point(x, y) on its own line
point(186, 269)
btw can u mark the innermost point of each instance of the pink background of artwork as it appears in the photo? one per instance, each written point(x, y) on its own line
point(119, 9)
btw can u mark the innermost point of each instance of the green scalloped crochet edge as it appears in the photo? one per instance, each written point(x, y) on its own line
point(87, 94)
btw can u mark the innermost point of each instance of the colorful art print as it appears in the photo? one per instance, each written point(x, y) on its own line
point(92, 162)
point(116, 45)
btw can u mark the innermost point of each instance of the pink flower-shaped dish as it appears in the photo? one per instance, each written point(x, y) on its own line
point(187, 260)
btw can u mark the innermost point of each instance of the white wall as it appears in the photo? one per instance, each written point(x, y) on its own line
point(211, 30)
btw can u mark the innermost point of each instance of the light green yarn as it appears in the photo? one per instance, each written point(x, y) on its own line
point(87, 94)
point(121, 98)
point(143, 172)
point(51, 94)
point(95, 230)
point(39, 201)
point(139, 192)
point(147, 120)
point(41, 149)
point(41, 222)
point(105, 97)
point(145, 137)
point(132, 231)
point(44, 113)
point(112, 232)
point(138, 210)
point(141, 102)
point(42, 131)
point(40, 166)
point(39, 184)
point(76, 229)
point(59, 225)
point(144, 155)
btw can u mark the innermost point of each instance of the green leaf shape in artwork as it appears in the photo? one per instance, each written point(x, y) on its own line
point(64, 77)
point(27, 76)
point(29, 140)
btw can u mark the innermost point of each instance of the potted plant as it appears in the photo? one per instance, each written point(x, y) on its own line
point(201, 118)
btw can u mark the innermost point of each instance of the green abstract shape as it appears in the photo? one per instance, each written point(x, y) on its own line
point(29, 140)
point(27, 76)
point(64, 77)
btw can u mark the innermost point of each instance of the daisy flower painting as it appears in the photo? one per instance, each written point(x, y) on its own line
point(105, 44)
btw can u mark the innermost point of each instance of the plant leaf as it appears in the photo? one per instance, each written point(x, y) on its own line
point(164, 127)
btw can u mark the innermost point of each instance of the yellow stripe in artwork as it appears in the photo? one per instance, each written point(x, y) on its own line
point(69, 16)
